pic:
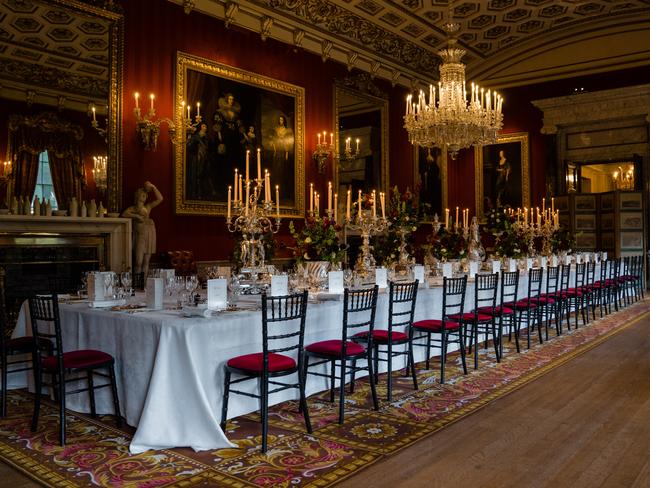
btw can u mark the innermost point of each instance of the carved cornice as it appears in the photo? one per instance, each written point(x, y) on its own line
point(339, 21)
point(362, 82)
point(593, 107)
point(47, 122)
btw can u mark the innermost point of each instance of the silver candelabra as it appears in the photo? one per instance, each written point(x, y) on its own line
point(367, 225)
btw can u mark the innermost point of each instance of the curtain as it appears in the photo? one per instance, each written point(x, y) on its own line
point(28, 137)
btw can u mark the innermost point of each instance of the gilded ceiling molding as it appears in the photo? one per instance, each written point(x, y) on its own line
point(326, 47)
point(109, 5)
point(266, 23)
point(362, 82)
point(352, 59)
point(230, 12)
point(374, 68)
point(395, 78)
point(188, 6)
point(298, 37)
point(341, 22)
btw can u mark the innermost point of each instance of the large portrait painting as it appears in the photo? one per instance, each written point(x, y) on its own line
point(240, 112)
point(502, 178)
point(430, 170)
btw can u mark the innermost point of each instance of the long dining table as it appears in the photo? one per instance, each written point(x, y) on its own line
point(169, 366)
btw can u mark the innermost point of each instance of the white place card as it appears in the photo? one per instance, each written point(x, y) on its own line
point(335, 284)
point(447, 270)
point(578, 258)
point(604, 256)
point(381, 277)
point(543, 262)
point(554, 261)
point(95, 286)
point(154, 293)
point(587, 256)
point(217, 294)
point(512, 265)
point(473, 269)
point(567, 260)
point(496, 266)
point(596, 257)
point(529, 263)
point(418, 274)
point(279, 285)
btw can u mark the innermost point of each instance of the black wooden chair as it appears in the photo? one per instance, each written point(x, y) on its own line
point(401, 309)
point(550, 300)
point(359, 308)
point(286, 315)
point(65, 367)
point(508, 292)
point(527, 308)
point(450, 331)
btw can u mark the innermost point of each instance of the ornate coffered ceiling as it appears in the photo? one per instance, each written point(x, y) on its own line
point(53, 55)
point(508, 42)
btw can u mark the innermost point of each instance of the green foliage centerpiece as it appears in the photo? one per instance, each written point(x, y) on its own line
point(318, 240)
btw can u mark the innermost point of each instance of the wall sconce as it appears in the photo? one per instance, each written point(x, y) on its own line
point(7, 168)
point(102, 131)
point(571, 177)
point(323, 151)
point(99, 172)
point(349, 153)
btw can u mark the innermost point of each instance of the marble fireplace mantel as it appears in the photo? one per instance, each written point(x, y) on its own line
point(116, 231)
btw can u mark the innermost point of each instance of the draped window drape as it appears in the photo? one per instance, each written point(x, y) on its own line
point(31, 135)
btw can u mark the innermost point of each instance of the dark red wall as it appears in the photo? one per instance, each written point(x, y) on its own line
point(154, 31)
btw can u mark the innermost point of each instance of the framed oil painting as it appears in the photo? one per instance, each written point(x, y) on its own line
point(430, 170)
point(501, 170)
point(239, 111)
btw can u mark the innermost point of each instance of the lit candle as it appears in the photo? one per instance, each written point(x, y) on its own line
point(358, 140)
point(240, 194)
point(543, 205)
point(331, 138)
point(347, 213)
point(319, 138)
point(311, 197)
point(456, 216)
point(235, 183)
point(248, 187)
point(259, 163)
point(198, 109)
point(94, 116)
point(267, 183)
point(248, 156)
point(382, 197)
point(329, 196)
point(277, 200)
point(316, 203)
point(552, 205)
point(374, 204)
point(359, 209)
point(446, 218)
point(137, 98)
point(151, 97)
point(229, 196)
point(189, 112)
point(336, 205)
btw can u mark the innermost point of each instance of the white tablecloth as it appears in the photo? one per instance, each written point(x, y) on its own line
point(170, 368)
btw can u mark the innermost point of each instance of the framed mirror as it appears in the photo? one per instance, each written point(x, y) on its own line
point(430, 170)
point(65, 57)
point(360, 114)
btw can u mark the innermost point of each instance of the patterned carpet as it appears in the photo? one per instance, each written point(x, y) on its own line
point(97, 453)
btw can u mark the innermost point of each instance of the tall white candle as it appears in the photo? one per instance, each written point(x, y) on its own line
point(248, 187)
point(446, 218)
point(137, 98)
point(329, 196)
point(359, 209)
point(358, 140)
point(336, 205)
point(317, 203)
point(236, 183)
point(189, 112)
point(347, 213)
point(239, 193)
point(374, 204)
point(229, 196)
point(94, 115)
point(198, 109)
point(248, 157)
point(382, 197)
point(456, 216)
point(311, 197)
point(151, 97)
point(277, 200)
point(259, 163)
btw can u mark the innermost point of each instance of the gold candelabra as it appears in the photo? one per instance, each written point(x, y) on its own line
point(252, 207)
point(323, 151)
point(367, 223)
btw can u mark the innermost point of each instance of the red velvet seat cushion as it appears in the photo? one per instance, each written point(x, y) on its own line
point(572, 292)
point(435, 325)
point(498, 310)
point(82, 359)
point(521, 304)
point(381, 336)
point(469, 317)
point(544, 300)
point(334, 348)
point(255, 362)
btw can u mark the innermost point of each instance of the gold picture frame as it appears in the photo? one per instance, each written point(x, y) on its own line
point(261, 104)
point(421, 154)
point(515, 147)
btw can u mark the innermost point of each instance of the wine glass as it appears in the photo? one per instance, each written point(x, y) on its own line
point(191, 284)
point(108, 285)
point(125, 278)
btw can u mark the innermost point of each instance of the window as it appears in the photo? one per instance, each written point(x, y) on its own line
point(44, 187)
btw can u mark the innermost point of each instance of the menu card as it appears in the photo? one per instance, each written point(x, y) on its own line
point(587, 257)
point(418, 274)
point(554, 261)
point(567, 260)
point(335, 284)
point(447, 270)
point(604, 256)
point(96, 287)
point(529, 263)
point(512, 265)
point(543, 262)
point(381, 277)
point(217, 294)
point(473, 269)
point(578, 258)
point(496, 266)
point(154, 293)
point(279, 285)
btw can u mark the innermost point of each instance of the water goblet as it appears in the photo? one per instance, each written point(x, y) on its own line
point(125, 278)
point(191, 284)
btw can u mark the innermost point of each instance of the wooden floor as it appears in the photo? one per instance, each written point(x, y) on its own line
point(585, 424)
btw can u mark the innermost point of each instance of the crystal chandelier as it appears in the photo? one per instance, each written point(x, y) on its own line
point(447, 118)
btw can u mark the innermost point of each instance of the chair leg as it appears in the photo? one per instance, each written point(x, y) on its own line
point(332, 380)
point(61, 386)
point(342, 391)
point(116, 398)
point(463, 358)
point(226, 395)
point(375, 357)
point(353, 373)
point(3, 405)
point(428, 350)
point(91, 393)
point(389, 378)
point(495, 340)
point(517, 326)
point(475, 336)
point(38, 381)
point(412, 361)
point(443, 354)
point(302, 382)
point(264, 409)
point(371, 376)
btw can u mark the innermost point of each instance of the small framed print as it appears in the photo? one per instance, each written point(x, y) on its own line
point(585, 222)
point(631, 220)
point(631, 240)
point(630, 201)
point(586, 240)
point(585, 202)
